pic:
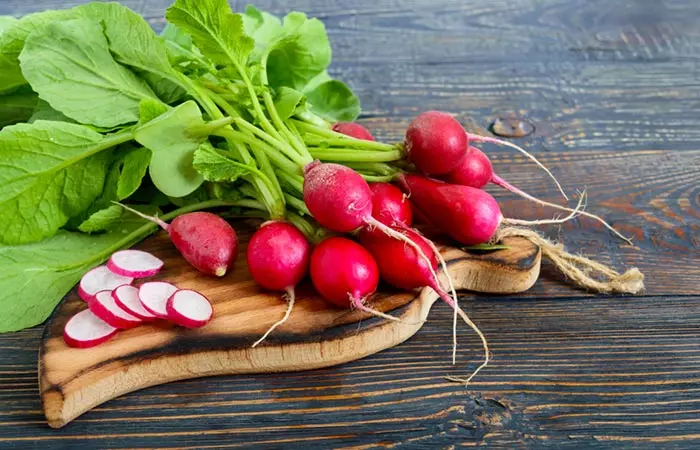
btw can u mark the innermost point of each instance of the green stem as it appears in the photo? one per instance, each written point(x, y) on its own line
point(276, 157)
point(378, 178)
point(275, 143)
point(248, 203)
point(352, 155)
point(269, 172)
point(267, 126)
point(296, 203)
point(209, 127)
point(223, 104)
point(312, 234)
point(348, 143)
point(378, 168)
point(313, 119)
point(296, 182)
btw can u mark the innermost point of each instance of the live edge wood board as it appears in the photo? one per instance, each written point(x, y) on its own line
point(72, 381)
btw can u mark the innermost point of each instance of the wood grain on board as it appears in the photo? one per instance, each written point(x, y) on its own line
point(612, 88)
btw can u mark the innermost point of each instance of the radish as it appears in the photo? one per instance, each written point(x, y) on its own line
point(103, 306)
point(354, 130)
point(475, 170)
point(134, 263)
point(85, 330)
point(278, 258)
point(205, 240)
point(98, 279)
point(189, 309)
point(154, 296)
point(345, 274)
point(126, 297)
point(390, 206)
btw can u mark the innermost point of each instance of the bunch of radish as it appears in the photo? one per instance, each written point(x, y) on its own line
point(114, 303)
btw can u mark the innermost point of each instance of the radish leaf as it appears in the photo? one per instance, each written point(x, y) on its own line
point(334, 101)
point(216, 167)
point(288, 101)
point(97, 90)
point(101, 220)
point(15, 33)
point(17, 106)
point(134, 165)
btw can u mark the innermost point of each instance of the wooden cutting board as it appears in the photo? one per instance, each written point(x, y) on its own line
point(72, 381)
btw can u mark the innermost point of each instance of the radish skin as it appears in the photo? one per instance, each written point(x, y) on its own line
point(99, 279)
point(103, 306)
point(390, 206)
point(134, 263)
point(435, 142)
point(154, 296)
point(189, 309)
point(126, 297)
point(354, 130)
point(85, 330)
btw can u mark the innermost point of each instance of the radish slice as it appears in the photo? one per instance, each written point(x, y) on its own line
point(85, 330)
point(99, 279)
point(126, 297)
point(189, 309)
point(154, 295)
point(103, 306)
point(134, 263)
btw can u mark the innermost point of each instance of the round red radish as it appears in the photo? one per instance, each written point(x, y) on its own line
point(154, 295)
point(470, 216)
point(390, 206)
point(354, 130)
point(103, 306)
point(85, 330)
point(278, 256)
point(134, 263)
point(99, 279)
point(435, 142)
point(343, 272)
point(189, 309)
point(473, 170)
point(126, 297)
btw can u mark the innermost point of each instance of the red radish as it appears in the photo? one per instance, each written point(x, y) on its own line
point(354, 130)
point(154, 295)
point(103, 306)
point(390, 206)
point(189, 309)
point(126, 297)
point(134, 263)
point(475, 170)
point(278, 258)
point(85, 330)
point(204, 239)
point(435, 142)
point(470, 216)
point(99, 279)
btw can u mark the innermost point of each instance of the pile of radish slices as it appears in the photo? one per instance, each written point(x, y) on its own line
point(115, 304)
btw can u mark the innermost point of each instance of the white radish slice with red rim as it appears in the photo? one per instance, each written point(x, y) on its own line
point(85, 330)
point(154, 295)
point(103, 306)
point(100, 279)
point(126, 297)
point(134, 263)
point(189, 309)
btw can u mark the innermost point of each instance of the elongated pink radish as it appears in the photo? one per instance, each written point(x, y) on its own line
point(205, 240)
point(154, 296)
point(189, 309)
point(85, 330)
point(354, 130)
point(278, 259)
point(345, 274)
point(99, 279)
point(103, 306)
point(126, 297)
point(134, 263)
point(435, 142)
point(390, 206)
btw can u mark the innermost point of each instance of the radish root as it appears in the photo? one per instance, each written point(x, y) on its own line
point(153, 219)
point(290, 304)
point(574, 213)
point(504, 184)
point(491, 140)
point(359, 304)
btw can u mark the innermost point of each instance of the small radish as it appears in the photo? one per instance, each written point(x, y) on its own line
point(126, 297)
point(345, 274)
point(390, 206)
point(99, 279)
point(154, 296)
point(85, 330)
point(204, 239)
point(278, 259)
point(103, 306)
point(475, 170)
point(435, 142)
point(354, 130)
point(134, 263)
point(189, 309)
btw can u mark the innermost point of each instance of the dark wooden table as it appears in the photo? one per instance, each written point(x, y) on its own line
point(613, 89)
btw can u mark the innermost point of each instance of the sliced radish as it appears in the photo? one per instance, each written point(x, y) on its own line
point(126, 297)
point(99, 279)
point(134, 263)
point(154, 295)
point(189, 309)
point(103, 306)
point(85, 330)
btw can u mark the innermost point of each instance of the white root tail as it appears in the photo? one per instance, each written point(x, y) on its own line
point(290, 304)
point(574, 213)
